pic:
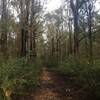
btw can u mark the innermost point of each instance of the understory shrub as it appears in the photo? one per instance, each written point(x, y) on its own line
point(52, 62)
point(85, 75)
point(18, 75)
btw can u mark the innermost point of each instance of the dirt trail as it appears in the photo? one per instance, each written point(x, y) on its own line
point(47, 90)
point(52, 88)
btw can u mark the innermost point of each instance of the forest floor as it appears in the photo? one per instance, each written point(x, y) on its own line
point(52, 87)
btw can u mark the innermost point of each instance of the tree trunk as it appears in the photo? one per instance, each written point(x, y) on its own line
point(76, 33)
point(90, 36)
point(75, 12)
point(4, 30)
point(23, 43)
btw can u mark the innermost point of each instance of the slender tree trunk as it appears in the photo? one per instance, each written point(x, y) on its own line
point(76, 34)
point(70, 51)
point(34, 45)
point(23, 43)
point(90, 35)
point(24, 26)
point(75, 12)
point(4, 29)
point(52, 47)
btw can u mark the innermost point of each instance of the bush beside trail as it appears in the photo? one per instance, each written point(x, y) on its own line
point(82, 75)
point(17, 76)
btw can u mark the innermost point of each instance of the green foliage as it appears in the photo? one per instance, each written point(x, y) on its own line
point(17, 75)
point(52, 62)
point(1, 94)
point(83, 75)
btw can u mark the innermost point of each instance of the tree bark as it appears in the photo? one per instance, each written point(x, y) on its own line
point(4, 29)
point(90, 35)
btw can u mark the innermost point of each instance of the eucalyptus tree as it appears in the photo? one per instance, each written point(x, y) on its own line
point(87, 26)
point(4, 17)
point(29, 12)
point(76, 6)
point(56, 33)
point(90, 13)
point(35, 24)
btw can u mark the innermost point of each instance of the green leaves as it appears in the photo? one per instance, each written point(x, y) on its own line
point(18, 74)
point(83, 75)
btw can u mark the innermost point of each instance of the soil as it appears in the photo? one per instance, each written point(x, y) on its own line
point(52, 87)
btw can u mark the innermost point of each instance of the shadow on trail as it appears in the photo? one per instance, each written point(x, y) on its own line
point(52, 87)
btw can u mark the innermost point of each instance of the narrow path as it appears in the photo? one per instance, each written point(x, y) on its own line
point(51, 88)
point(47, 88)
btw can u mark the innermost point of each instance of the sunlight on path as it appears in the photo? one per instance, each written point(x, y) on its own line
point(50, 89)
point(46, 92)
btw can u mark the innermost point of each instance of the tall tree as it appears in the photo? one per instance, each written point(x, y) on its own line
point(4, 28)
point(75, 9)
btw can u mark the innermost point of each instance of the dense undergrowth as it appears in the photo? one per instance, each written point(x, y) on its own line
point(16, 76)
point(82, 74)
